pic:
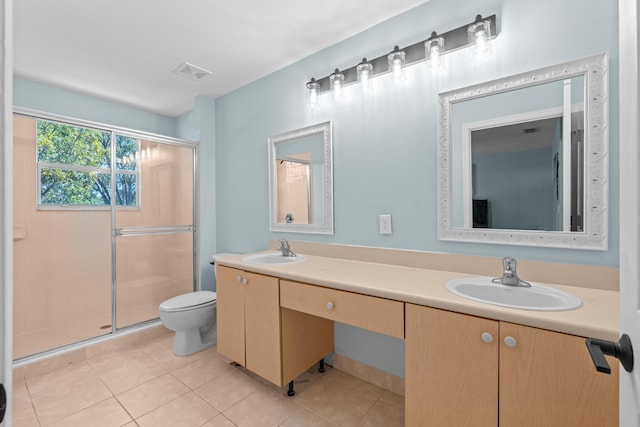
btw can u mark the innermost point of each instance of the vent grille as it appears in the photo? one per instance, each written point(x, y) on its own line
point(192, 72)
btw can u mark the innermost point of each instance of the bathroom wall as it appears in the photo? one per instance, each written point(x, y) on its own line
point(56, 100)
point(385, 144)
point(199, 125)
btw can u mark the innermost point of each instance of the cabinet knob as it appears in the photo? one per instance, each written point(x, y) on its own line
point(330, 305)
point(487, 337)
point(245, 281)
point(239, 279)
point(510, 341)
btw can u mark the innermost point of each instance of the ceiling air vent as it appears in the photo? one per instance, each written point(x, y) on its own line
point(192, 72)
point(527, 131)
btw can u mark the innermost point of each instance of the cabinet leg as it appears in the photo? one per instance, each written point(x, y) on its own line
point(291, 391)
point(321, 369)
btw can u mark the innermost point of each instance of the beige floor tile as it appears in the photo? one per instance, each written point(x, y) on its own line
point(387, 412)
point(160, 349)
point(65, 392)
point(343, 401)
point(131, 424)
point(263, 408)
point(311, 381)
point(121, 371)
point(185, 411)
point(227, 390)
point(301, 417)
point(23, 413)
point(108, 413)
point(219, 421)
point(151, 395)
point(202, 370)
point(213, 351)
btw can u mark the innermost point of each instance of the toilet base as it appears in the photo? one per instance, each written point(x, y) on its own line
point(189, 342)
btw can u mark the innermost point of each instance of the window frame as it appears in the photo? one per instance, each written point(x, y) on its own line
point(112, 171)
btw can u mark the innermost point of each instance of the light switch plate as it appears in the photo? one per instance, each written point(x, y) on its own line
point(385, 223)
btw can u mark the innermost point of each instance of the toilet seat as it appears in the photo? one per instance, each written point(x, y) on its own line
point(188, 301)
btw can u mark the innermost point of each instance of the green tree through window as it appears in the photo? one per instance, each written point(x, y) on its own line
point(74, 165)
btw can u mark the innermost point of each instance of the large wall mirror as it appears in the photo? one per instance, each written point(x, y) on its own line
point(523, 160)
point(300, 180)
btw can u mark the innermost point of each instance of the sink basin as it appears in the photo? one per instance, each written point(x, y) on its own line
point(273, 258)
point(537, 297)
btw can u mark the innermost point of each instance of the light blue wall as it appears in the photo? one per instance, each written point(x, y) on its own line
point(199, 125)
point(526, 199)
point(385, 144)
point(56, 100)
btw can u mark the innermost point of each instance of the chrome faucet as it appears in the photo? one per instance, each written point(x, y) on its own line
point(285, 248)
point(509, 274)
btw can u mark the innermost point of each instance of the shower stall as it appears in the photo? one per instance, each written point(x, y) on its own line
point(104, 229)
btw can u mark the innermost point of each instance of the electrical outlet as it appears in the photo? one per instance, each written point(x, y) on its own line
point(385, 223)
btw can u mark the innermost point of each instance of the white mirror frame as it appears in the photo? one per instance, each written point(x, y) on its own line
point(595, 234)
point(326, 228)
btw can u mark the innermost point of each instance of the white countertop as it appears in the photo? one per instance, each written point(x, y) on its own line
point(598, 317)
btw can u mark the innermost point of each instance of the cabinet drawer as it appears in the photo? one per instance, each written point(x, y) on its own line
point(376, 314)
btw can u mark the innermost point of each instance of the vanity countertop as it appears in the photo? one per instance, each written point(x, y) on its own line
point(598, 317)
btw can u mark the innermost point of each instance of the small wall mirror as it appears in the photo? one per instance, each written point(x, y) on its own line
point(300, 180)
point(523, 160)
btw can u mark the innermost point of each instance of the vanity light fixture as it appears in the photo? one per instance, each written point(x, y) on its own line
point(433, 49)
point(313, 90)
point(396, 64)
point(480, 37)
point(364, 70)
point(336, 81)
point(477, 35)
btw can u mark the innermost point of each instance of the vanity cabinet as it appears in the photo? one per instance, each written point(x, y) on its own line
point(467, 371)
point(276, 343)
point(248, 321)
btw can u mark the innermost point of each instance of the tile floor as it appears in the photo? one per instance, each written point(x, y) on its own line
point(147, 385)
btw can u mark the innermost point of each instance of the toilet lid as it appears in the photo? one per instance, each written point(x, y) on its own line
point(188, 300)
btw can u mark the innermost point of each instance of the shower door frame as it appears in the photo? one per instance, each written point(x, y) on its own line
point(113, 207)
point(123, 232)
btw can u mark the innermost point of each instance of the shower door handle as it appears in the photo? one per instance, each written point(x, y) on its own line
point(3, 402)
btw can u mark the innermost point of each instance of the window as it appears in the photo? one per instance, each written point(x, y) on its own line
point(74, 166)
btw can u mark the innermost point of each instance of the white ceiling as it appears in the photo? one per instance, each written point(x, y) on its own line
point(126, 50)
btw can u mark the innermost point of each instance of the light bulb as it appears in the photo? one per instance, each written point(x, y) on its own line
point(313, 90)
point(434, 46)
point(396, 64)
point(336, 80)
point(480, 38)
point(364, 70)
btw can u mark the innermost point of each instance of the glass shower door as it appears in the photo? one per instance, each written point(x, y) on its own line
point(154, 226)
point(62, 227)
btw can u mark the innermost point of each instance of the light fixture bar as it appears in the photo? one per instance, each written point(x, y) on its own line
point(454, 40)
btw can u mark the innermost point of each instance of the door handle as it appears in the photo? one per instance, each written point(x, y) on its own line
point(3, 402)
point(621, 350)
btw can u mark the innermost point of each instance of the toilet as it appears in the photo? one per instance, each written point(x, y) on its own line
point(193, 317)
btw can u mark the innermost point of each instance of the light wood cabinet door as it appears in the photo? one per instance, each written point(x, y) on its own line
point(548, 379)
point(451, 373)
point(248, 316)
point(262, 326)
point(230, 313)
